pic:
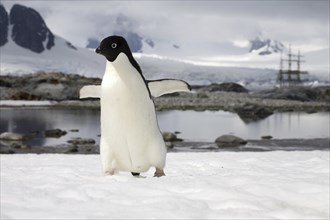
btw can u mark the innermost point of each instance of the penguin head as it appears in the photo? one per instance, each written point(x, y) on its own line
point(112, 46)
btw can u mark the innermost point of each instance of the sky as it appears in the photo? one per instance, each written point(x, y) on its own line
point(198, 27)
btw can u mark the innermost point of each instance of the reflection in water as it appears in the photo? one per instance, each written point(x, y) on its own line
point(29, 121)
point(208, 125)
point(198, 126)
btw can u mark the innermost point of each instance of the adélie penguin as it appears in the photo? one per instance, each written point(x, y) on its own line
point(130, 137)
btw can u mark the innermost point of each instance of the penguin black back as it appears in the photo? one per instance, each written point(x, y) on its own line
point(112, 46)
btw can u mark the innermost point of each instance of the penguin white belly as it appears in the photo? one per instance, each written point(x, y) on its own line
point(130, 137)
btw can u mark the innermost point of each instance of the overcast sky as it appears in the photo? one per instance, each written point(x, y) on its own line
point(202, 25)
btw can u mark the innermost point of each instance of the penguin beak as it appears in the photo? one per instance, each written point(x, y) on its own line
point(98, 50)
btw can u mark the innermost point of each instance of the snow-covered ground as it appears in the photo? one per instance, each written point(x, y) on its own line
point(224, 185)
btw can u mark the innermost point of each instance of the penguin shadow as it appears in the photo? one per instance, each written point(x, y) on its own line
point(123, 177)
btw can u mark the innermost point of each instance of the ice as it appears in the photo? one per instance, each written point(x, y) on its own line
point(223, 185)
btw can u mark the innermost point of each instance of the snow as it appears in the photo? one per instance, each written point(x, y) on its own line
point(251, 70)
point(25, 103)
point(61, 58)
point(222, 185)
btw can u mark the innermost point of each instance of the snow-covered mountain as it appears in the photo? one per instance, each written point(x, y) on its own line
point(266, 46)
point(47, 52)
point(27, 48)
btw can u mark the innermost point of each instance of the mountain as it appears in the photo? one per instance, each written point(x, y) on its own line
point(25, 49)
point(136, 43)
point(27, 45)
point(4, 22)
point(266, 46)
point(28, 29)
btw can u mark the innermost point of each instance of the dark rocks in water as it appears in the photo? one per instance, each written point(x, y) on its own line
point(170, 137)
point(4, 23)
point(226, 87)
point(266, 137)
point(250, 112)
point(6, 150)
point(81, 141)
point(56, 133)
point(16, 145)
point(29, 29)
point(71, 149)
point(229, 141)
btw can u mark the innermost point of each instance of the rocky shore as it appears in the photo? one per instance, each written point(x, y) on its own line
point(178, 146)
point(64, 89)
point(11, 143)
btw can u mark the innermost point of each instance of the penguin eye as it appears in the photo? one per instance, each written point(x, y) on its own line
point(113, 45)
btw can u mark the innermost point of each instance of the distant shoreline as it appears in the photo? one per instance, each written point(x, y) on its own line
point(320, 144)
point(58, 90)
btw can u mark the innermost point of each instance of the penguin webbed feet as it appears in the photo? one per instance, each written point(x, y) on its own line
point(109, 173)
point(135, 174)
point(159, 172)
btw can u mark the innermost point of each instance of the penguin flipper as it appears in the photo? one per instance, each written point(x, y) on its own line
point(166, 86)
point(90, 91)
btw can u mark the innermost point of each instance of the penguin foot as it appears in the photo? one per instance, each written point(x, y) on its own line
point(110, 173)
point(135, 174)
point(159, 173)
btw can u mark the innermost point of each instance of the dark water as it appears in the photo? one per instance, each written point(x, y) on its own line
point(192, 125)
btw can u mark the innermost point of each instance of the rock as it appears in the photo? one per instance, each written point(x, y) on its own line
point(81, 141)
point(6, 151)
point(300, 93)
point(229, 141)
point(4, 83)
point(55, 133)
point(54, 91)
point(251, 112)
point(8, 136)
point(16, 145)
point(20, 95)
point(227, 87)
point(71, 149)
point(266, 137)
point(170, 137)
point(4, 22)
point(169, 145)
point(29, 29)
point(202, 96)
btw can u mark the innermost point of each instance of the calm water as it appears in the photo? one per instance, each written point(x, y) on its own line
point(192, 125)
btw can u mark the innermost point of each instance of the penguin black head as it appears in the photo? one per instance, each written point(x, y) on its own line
point(112, 46)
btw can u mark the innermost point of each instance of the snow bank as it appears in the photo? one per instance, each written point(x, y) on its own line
point(226, 185)
point(25, 103)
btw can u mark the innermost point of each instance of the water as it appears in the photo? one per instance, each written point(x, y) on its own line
point(192, 125)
